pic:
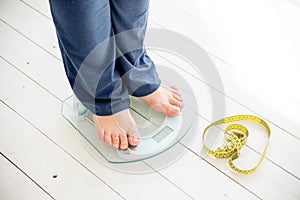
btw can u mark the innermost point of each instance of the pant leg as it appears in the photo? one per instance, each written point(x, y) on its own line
point(82, 26)
point(136, 67)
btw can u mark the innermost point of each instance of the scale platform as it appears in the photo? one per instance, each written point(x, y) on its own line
point(158, 132)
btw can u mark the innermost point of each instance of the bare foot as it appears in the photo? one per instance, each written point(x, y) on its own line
point(165, 99)
point(117, 130)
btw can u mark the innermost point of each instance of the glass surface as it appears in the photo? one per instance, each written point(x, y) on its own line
point(149, 122)
point(162, 134)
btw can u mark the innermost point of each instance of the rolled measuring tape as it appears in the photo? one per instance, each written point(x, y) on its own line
point(235, 140)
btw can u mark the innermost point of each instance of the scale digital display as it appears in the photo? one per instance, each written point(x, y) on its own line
point(162, 134)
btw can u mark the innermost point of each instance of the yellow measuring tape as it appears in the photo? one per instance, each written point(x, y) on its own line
point(235, 140)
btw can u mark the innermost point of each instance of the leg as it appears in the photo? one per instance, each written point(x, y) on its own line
point(136, 67)
point(82, 25)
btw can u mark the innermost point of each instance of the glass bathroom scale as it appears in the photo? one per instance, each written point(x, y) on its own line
point(158, 132)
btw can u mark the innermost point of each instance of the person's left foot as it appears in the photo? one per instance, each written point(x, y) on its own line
point(165, 99)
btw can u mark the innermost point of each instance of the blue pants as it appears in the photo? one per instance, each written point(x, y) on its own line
point(100, 72)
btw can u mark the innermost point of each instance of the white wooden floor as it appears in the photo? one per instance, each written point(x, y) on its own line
point(255, 47)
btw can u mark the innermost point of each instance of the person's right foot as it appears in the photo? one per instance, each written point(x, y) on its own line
point(117, 130)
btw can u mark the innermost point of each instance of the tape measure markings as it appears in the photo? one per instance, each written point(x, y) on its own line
point(235, 140)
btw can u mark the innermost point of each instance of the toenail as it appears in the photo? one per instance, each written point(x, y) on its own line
point(135, 139)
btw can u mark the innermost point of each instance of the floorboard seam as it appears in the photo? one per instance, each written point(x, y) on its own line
point(61, 148)
point(23, 172)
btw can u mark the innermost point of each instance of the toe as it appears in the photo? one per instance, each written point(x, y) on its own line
point(171, 110)
point(133, 136)
point(107, 138)
point(173, 87)
point(175, 102)
point(124, 141)
point(177, 97)
point(175, 91)
point(115, 140)
point(133, 140)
